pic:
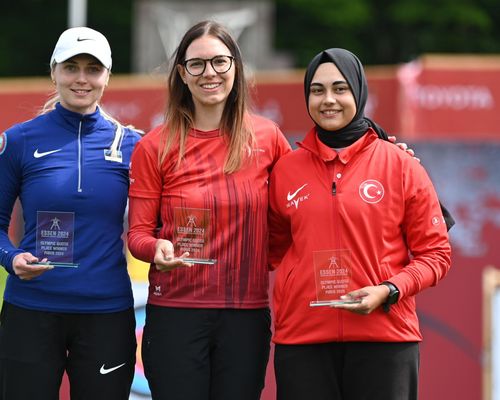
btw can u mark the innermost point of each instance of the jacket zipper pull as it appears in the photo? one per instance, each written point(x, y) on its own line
point(334, 188)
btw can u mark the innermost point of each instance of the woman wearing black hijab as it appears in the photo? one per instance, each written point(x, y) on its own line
point(356, 232)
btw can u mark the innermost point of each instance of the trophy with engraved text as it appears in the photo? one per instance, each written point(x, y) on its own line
point(332, 274)
point(192, 234)
point(55, 232)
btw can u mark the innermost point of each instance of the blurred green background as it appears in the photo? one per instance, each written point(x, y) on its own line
point(378, 31)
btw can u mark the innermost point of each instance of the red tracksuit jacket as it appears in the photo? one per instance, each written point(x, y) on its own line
point(227, 214)
point(370, 210)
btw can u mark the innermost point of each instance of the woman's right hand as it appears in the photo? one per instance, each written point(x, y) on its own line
point(23, 266)
point(165, 259)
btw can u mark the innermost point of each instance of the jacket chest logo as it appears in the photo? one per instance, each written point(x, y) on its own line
point(371, 191)
point(297, 197)
point(3, 142)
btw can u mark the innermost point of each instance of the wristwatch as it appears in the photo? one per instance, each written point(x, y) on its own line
point(393, 295)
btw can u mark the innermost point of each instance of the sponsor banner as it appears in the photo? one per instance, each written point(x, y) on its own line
point(425, 99)
point(448, 98)
point(431, 98)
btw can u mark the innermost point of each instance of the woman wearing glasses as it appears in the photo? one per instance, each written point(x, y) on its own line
point(199, 190)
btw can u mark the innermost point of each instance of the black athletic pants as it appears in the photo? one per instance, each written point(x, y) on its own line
point(347, 371)
point(96, 350)
point(206, 354)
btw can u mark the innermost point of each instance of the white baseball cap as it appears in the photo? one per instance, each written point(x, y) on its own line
point(82, 40)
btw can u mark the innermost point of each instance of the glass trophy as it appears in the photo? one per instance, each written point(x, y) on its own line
point(192, 234)
point(332, 275)
point(55, 231)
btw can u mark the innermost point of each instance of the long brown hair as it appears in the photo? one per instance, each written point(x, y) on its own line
point(180, 110)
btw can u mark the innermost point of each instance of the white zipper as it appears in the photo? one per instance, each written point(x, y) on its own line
point(80, 157)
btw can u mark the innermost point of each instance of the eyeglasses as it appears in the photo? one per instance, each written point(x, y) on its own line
point(197, 66)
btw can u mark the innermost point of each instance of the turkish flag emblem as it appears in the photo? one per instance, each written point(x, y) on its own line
point(371, 191)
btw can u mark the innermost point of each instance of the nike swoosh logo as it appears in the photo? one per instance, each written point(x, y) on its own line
point(81, 40)
point(37, 154)
point(104, 371)
point(290, 197)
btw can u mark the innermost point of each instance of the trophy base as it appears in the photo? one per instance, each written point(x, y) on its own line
point(210, 261)
point(55, 264)
point(330, 303)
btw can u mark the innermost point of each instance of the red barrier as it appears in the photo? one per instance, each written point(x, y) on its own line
point(431, 98)
point(450, 97)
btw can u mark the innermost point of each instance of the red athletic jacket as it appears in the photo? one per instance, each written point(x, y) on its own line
point(370, 210)
point(201, 209)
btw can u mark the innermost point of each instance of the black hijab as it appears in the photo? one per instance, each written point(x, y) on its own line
point(352, 69)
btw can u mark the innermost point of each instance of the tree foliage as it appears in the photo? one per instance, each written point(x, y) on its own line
point(379, 31)
point(387, 31)
point(29, 30)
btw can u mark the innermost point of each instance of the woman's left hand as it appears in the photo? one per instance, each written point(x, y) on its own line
point(371, 298)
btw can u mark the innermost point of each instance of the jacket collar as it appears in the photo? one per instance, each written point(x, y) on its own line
point(71, 120)
point(312, 143)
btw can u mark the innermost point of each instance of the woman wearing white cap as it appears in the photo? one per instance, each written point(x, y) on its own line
point(68, 302)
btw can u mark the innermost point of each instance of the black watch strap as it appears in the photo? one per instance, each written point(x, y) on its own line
point(393, 295)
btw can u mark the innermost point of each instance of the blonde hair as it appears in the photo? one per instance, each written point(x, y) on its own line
point(179, 115)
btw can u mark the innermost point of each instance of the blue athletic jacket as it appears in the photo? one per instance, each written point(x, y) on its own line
point(73, 194)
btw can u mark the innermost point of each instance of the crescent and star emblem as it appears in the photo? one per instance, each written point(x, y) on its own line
point(371, 191)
